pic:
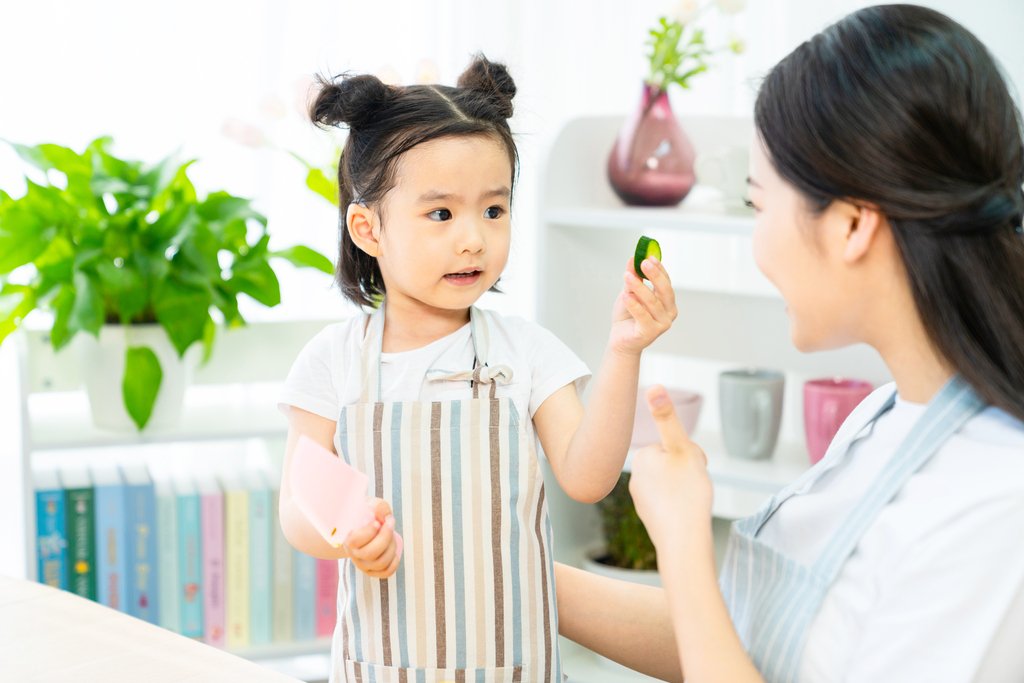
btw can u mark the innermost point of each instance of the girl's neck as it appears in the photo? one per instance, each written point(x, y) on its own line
point(411, 324)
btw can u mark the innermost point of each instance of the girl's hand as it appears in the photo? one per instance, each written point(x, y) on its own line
point(640, 316)
point(373, 549)
point(669, 483)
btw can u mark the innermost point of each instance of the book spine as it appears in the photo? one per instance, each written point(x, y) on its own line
point(236, 549)
point(260, 588)
point(189, 591)
point(284, 621)
point(80, 511)
point(326, 597)
point(51, 538)
point(305, 596)
point(214, 626)
point(110, 547)
point(143, 574)
point(167, 558)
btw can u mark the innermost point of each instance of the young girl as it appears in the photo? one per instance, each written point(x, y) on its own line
point(441, 403)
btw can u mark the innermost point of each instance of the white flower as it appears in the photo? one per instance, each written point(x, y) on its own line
point(731, 6)
point(686, 11)
point(737, 44)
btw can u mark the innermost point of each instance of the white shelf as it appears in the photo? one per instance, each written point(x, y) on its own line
point(270, 653)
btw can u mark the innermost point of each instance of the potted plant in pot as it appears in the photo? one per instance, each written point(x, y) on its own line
point(129, 254)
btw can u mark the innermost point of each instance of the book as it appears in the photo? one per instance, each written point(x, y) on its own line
point(111, 560)
point(143, 573)
point(167, 554)
point(80, 511)
point(260, 566)
point(211, 500)
point(304, 595)
point(326, 596)
point(236, 560)
point(51, 529)
point(283, 615)
point(189, 589)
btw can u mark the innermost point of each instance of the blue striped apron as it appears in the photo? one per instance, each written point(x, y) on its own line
point(473, 599)
point(772, 598)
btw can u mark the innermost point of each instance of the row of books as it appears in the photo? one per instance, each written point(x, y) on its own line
point(204, 556)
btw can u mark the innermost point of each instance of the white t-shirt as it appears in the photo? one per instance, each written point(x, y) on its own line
point(326, 375)
point(930, 581)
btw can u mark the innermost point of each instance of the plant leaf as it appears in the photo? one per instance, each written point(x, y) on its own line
point(304, 257)
point(209, 332)
point(319, 183)
point(62, 305)
point(87, 311)
point(33, 155)
point(142, 378)
point(182, 309)
point(257, 279)
point(16, 301)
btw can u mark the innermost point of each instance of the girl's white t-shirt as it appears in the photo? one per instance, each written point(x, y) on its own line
point(327, 374)
point(931, 580)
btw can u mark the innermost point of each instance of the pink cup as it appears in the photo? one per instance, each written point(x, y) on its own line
point(827, 403)
point(645, 431)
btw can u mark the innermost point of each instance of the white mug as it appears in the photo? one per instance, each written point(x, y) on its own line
point(725, 169)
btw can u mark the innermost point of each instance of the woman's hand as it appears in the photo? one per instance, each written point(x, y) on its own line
point(373, 549)
point(669, 483)
point(640, 316)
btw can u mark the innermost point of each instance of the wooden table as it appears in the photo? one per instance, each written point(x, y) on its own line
point(48, 634)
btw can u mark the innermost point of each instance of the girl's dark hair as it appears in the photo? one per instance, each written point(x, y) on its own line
point(386, 121)
point(900, 107)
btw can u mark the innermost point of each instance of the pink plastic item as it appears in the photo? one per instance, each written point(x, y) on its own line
point(330, 493)
point(827, 403)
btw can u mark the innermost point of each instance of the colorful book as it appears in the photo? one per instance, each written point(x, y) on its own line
point(189, 588)
point(80, 516)
point(260, 567)
point(236, 560)
point(167, 554)
point(305, 596)
point(326, 597)
point(51, 529)
point(211, 500)
point(111, 559)
point(143, 574)
point(284, 620)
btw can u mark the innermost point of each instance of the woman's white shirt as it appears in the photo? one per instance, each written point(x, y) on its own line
point(930, 581)
point(326, 375)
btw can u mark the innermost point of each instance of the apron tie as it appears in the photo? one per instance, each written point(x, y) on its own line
point(482, 374)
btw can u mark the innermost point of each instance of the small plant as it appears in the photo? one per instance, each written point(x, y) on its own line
point(106, 240)
point(629, 546)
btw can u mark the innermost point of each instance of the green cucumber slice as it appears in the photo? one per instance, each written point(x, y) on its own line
point(647, 246)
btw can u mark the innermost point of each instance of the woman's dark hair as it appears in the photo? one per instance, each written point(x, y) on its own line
point(900, 107)
point(386, 121)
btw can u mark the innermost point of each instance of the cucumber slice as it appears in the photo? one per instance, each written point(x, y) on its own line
point(647, 246)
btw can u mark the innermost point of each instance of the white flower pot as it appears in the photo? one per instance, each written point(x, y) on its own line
point(101, 367)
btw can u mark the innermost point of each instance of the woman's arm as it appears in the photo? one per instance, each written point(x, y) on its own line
point(625, 622)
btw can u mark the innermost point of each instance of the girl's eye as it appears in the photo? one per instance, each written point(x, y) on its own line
point(749, 204)
point(494, 212)
point(440, 215)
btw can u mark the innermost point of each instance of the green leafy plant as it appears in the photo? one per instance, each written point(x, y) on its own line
point(628, 544)
point(107, 240)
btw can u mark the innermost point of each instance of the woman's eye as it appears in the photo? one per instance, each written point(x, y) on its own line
point(440, 215)
point(749, 204)
point(494, 212)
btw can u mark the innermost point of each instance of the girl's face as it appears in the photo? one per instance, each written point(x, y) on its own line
point(447, 224)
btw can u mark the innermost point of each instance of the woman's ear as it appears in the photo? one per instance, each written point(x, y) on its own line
point(364, 228)
point(865, 224)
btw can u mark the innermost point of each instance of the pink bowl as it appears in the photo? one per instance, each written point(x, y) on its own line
point(645, 432)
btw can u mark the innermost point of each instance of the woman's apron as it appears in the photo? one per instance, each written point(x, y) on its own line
point(473, 598)
point(772, 598)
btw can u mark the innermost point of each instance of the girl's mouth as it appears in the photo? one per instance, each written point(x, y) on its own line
point(464, 278)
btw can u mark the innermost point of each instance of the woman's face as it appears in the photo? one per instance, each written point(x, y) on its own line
point(805, 256)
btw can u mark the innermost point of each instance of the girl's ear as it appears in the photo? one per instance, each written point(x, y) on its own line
point(363, 228)
point(866, 223)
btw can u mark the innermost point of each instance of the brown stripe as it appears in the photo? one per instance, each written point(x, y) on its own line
point(378, 486)
point(403, 676)
point(496, 539)
point(517, 674)
point(436, 507)
point(460, 676)
point(479, 516)
point(544, 591)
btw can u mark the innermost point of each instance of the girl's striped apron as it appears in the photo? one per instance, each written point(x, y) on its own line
point(771, 597)
point(473, 599)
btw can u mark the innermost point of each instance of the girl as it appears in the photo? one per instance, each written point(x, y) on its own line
point(439, 402)
point(886, 175)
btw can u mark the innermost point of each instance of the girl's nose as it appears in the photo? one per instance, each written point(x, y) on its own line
point(470, 237)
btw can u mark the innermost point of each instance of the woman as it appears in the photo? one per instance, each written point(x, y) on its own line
point(886, 176)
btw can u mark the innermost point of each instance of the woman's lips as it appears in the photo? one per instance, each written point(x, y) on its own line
point(463, 279)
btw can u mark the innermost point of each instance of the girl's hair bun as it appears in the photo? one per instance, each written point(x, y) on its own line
point(492, 79)
point(352, 100)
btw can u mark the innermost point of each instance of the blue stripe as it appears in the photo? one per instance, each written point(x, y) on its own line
point(554, 601)
point(421, 675)
point(481, 676)
point(460, 579)
point(396, 509)
point(354, 611)
point(517, 598)
point(343, 434)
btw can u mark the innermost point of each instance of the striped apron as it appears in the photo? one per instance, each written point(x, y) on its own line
point(772, 598)
point(473, 598)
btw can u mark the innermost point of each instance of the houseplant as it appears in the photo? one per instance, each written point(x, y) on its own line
point(651, 162)
point(107, 241)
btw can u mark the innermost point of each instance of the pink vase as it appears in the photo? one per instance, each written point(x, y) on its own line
point(651, 163)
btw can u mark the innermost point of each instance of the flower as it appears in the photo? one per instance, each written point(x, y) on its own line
point(686, 11)
point(737, 44)
point(731, 6)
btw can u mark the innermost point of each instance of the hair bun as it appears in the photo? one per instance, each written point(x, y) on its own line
point(352, 100)
point(493, 79)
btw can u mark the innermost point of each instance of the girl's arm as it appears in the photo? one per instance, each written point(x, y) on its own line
point(586, 449)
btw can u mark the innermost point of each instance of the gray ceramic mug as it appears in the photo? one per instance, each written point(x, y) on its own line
point(751, 404)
